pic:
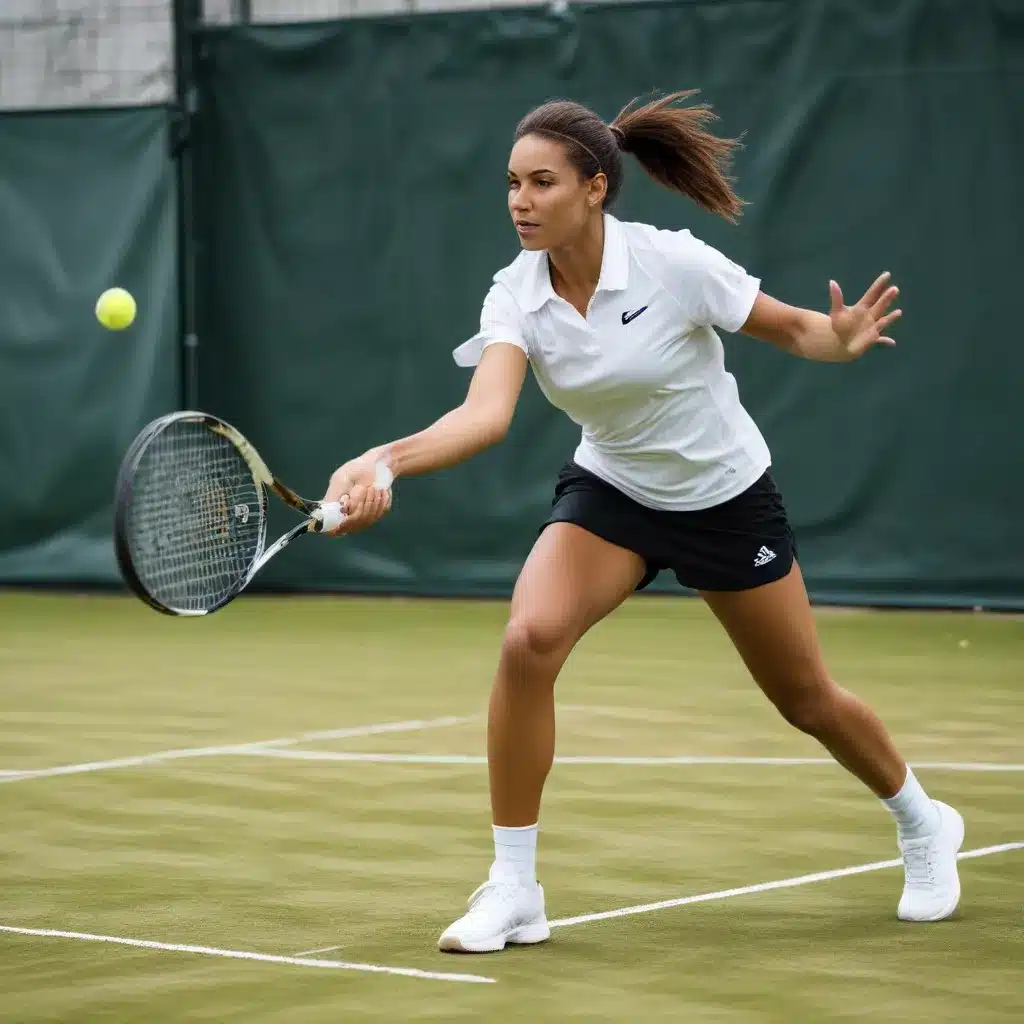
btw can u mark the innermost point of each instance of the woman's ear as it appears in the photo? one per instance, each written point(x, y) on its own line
point(597, 189)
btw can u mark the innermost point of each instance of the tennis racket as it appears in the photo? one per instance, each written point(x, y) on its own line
point(190, 521)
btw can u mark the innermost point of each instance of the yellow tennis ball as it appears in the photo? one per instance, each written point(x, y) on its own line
point(115, 309)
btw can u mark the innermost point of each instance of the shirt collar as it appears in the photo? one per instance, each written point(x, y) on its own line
point(614, 275)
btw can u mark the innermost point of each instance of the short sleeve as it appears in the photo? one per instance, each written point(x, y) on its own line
point(501, 320)
point(714, 290)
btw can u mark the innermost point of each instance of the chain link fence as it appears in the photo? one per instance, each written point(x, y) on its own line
point(57, 54)
point(84, 53)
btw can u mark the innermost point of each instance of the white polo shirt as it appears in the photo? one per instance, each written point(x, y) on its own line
point(644, 374)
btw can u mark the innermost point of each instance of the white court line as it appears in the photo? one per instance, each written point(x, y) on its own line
point(16, 775)
point(299, 754)
point(313, 952)
point(785, 883)
point(235, 954)
point(234, 748)
point(355, 755)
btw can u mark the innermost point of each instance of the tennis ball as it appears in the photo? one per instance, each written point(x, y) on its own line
point(115, 309)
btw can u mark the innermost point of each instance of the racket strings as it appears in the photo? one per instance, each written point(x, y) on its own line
point(196, 522)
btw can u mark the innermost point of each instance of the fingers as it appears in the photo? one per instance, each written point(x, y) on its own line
point(884, 301)
point(876, 291)
point(362, 508)
point(874, 336)
point(862, 325)
point(362, 489)
point(886, 320)
point(836, 297)
point(863, 342)
point(375, 504)
point(352, 501)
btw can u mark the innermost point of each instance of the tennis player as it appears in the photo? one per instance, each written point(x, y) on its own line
point(618, 322)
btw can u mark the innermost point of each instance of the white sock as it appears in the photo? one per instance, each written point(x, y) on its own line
point(515, 853)
point(913, 810)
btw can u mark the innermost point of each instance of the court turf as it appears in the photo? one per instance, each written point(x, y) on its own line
point(369, 834)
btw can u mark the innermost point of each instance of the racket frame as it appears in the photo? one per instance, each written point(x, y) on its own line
point(263, 479)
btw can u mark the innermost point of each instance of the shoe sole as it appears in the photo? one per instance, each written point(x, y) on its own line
point(526, 935)
point(943, 912)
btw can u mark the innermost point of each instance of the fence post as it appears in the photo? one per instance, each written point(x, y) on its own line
point(186, 104)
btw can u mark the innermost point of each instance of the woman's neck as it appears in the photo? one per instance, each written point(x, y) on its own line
point(576, 268)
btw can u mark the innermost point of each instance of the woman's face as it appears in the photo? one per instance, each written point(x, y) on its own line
point(548, 199)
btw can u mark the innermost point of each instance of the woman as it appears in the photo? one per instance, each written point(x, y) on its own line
point(617, 321)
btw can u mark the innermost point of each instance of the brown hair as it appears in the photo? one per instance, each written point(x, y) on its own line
point(670, 143)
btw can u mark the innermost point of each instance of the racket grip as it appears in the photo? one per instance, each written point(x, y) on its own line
point(328, 517)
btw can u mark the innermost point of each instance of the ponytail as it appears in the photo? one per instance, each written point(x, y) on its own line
point(673, 147)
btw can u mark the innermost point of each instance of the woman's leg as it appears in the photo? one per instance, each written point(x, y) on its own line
point(570, 581)
point(772, 627)
point(773, 630)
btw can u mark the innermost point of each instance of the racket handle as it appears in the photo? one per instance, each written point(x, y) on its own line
point(328, 517)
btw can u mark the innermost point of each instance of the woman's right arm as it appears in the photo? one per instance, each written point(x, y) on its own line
point(482, 420)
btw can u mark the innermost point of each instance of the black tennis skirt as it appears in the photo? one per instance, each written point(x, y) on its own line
point(743, 543)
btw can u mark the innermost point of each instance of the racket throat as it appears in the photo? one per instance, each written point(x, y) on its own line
point(278, 545)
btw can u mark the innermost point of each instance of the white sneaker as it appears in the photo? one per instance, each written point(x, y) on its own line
point(932, 883)
point(499, 912)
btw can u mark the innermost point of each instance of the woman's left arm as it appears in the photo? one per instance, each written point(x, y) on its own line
point(843, 334)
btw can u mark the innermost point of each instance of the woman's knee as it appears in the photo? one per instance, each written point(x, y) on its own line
point(533, 637)
point(810, 708)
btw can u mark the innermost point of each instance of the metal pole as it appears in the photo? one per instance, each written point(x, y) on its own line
point(244, 8)
point(186, 105)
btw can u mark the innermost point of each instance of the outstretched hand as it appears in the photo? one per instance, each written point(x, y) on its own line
point(862, 325)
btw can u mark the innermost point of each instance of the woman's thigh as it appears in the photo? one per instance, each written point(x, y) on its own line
point(773, 630)
point(571, 580)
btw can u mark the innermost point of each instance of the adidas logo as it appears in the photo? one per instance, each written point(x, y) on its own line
point(764, 556)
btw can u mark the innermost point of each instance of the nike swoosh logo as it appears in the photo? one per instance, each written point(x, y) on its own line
point(628, 316)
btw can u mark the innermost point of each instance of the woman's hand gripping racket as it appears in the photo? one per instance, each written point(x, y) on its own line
point(191, 513)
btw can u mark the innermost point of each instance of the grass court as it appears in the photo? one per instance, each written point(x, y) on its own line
point(294, 790)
